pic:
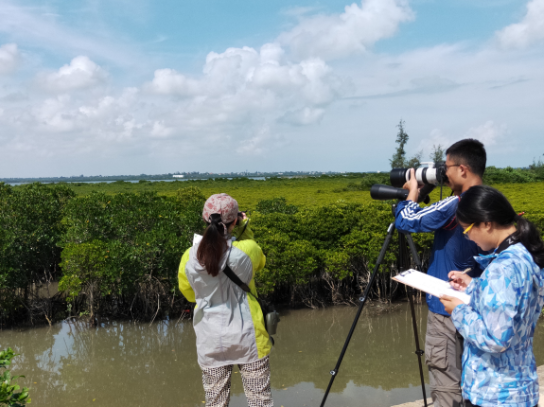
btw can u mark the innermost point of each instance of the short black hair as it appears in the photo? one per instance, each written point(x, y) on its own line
point(469, 152)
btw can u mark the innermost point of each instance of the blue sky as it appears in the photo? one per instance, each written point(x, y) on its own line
point(136, 86)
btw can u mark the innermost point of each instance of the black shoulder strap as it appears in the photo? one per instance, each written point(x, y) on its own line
point(244, 229)
point(233, 277)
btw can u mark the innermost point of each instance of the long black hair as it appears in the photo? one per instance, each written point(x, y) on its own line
point(485, 204)
point(213, 245)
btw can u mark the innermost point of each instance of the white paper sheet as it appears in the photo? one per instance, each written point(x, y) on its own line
point(430, 284)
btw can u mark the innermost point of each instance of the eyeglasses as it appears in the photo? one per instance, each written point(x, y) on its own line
point(467, 230)
point(452, 165)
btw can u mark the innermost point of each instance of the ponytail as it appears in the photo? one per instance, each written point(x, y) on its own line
point(485, 204)
point(528, 235)
point(213, 245)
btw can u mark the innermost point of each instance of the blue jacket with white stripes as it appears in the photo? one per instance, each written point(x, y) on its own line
point(451, 251)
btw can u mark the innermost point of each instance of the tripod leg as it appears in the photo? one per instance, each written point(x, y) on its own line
point(418, 351)
point(413, 250)
point(362, 300)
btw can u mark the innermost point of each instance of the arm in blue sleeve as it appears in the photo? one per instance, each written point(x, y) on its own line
point(472, 286)
point(489, 324)
point(410, 217)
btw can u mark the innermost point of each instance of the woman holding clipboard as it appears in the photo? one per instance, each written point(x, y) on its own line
point(498, 325)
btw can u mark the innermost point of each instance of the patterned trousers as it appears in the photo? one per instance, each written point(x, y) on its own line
point(255, 378)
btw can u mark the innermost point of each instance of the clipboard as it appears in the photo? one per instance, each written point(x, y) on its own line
point(430, 285)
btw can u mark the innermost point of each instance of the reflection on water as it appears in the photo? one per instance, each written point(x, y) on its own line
point(124, 363)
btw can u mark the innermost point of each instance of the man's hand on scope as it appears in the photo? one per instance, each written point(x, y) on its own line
point(412, 186)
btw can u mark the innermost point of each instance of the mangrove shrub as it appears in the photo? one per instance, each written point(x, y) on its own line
point(118, 255)
point(11, 394)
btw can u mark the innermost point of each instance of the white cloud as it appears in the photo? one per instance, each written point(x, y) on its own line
point(304, 116)
point(168, 81)
point(263, 140)
point(432, 84)
point(436, 138)
point(39, 28)
point(253, 101)
point(354, 31)
point(298, 11)
point(9, 58)
point(55, 115)
point(528, 31)
point(254, 145)
point(104, 106)
point(81, 73)
point(247, 88)
point(160, 130)
point(244, 96)
point(488, 133)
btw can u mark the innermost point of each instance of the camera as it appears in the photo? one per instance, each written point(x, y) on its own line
point(429, 176)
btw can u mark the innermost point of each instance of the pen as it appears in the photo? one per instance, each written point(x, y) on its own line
point(464, 272)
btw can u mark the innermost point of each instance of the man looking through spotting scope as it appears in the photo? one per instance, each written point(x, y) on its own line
point(465, 166)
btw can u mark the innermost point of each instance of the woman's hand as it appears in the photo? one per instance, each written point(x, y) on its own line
point(459, 280)
point(450, 303)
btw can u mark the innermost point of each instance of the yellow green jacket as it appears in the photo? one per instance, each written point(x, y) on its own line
point(228, 323)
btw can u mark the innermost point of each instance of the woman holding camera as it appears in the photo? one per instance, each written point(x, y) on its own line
point(506, 301)
point(228, 323)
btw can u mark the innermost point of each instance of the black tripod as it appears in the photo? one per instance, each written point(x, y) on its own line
point(404, 263)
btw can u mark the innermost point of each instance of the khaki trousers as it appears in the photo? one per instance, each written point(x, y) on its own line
point(443, 352)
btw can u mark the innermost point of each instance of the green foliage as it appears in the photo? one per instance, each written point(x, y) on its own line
point(31, 226)
point(327, 243)
point(83, 263)
point(537, 168)
point(119, 253)
point(366, 183)
point(415, 161)
point(190, 195)
point(399, 159)
point(276, 205)
point(438, 154)
point(509, 175)
point(11, 394)
point(126, 247)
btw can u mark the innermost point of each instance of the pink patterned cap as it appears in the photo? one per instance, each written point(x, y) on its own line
point(223, 204)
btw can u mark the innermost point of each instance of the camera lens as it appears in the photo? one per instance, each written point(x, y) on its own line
point(399, 176)
point(385, 192)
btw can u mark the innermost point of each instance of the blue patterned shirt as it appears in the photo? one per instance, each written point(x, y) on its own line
point(498, 326)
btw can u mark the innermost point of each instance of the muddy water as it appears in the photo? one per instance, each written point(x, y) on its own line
point(129, 364)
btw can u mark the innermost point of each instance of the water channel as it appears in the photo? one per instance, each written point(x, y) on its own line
point(142, 364)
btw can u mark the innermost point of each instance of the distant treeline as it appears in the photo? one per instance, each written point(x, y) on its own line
point(160, 177)
point(117, 255)
point(533, 173)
